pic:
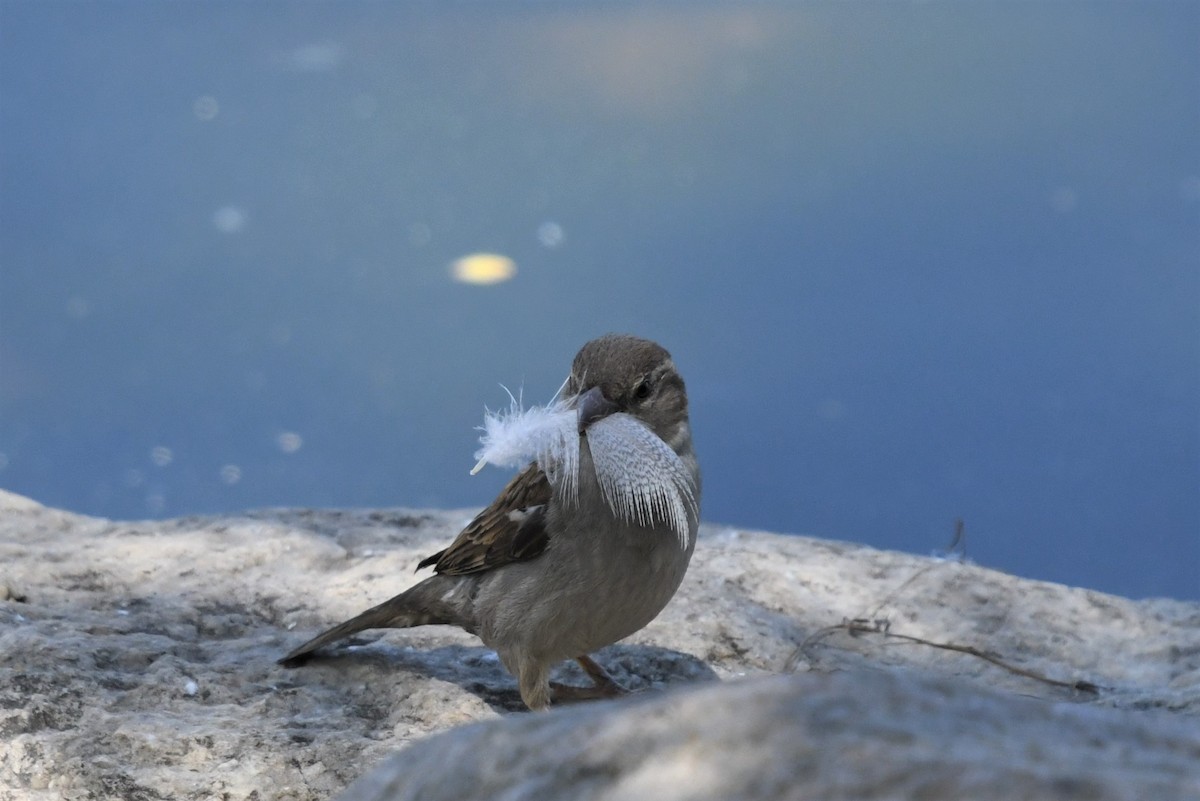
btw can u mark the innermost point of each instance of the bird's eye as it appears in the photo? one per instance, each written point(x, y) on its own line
point(642, 390)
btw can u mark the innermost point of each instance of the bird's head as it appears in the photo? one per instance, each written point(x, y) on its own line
point(622, 373)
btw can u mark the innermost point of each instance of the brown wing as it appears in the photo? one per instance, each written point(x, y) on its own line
point(512, 529)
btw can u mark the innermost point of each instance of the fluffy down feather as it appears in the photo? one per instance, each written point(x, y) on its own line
point(642, 479)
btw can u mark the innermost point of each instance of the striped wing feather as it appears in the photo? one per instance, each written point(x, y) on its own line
point(511, 529)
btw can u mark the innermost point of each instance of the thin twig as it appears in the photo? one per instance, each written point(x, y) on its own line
point(958, 549)
point(857, 627)
point(872, 624)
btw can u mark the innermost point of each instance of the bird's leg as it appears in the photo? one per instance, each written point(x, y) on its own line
point(599, 676)
point(604, 686)
point(535, 690)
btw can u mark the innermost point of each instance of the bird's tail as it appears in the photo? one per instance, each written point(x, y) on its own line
point(432, 601)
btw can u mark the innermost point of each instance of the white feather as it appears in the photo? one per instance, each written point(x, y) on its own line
point(547, 435)
point(641, 478)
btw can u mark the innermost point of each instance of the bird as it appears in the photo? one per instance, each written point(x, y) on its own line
point(548, 573)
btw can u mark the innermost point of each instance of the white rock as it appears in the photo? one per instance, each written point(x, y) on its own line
point(857, 735)
point(90, 701)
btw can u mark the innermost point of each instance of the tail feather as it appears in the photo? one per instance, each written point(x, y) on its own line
point(421, 605)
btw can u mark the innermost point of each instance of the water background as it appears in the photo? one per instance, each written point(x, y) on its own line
point(917, 262)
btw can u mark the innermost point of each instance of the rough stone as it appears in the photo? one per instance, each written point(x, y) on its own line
point(860, 734)
point(137, 659)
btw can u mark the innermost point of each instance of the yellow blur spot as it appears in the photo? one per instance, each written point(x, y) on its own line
point(483, 268)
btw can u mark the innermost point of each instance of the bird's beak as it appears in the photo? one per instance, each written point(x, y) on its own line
point(593, 406)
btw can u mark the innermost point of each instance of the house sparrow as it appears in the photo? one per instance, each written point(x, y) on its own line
point(558, 567)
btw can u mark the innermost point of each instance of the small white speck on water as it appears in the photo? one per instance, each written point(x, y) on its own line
point(550, 234)
point(229, 219)
point(289, 442)
point(206, 108)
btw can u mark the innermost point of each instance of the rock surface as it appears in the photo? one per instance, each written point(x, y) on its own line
point(137, 660)
point(856, 735)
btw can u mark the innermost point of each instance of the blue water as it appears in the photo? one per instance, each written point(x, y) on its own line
point(916, 262)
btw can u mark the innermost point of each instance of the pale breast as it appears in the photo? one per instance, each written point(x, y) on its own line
point(590, 588)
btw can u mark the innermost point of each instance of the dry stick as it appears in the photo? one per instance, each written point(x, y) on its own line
point(859, 626)
point(872, 625)
point(958, 546)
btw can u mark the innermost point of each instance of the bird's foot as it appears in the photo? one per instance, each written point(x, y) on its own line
point(599, 676)
point(570, 694)
point(603, 685)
